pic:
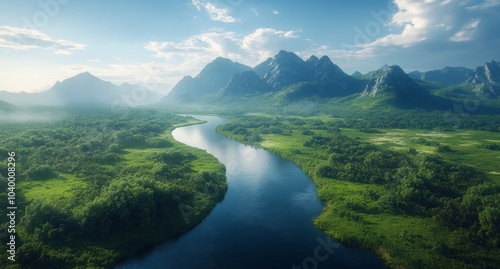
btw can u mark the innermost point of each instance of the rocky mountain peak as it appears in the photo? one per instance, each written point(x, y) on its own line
point(312, 60)
point(285, 69)
point(393, 79)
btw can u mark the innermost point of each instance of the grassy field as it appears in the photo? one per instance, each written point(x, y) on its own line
point(465, 146)
point(351, 214)
point(61, 190)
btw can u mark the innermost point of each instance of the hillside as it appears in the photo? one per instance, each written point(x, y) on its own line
point(210, 80)
point(5, 104)
point(285, 74)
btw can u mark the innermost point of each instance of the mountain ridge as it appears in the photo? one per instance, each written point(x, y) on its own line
point(210, 80)
point(482, 80)
point(283, 77)
point(85, 89)
point(322, 77)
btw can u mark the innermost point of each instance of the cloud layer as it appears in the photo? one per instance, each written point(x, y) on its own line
point(449, 28)
point(425, 33)
point(25, 39)
point(198, 50)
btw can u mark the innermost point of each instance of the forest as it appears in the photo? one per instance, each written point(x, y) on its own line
point(95, 186)
point(98, 185)
point(412, 203)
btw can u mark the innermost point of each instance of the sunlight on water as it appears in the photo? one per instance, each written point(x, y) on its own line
point(264, 221)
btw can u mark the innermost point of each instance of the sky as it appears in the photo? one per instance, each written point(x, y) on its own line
point(155, 43)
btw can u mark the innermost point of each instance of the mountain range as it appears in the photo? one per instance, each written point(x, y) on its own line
point(4, 106)
point(84, 90)
point(482, 79)
point(284, 77)
point(286, 72)
point(288, 77)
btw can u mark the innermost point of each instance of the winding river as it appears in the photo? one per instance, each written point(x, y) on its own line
point(264, 221)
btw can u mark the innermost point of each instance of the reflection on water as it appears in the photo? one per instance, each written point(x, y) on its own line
point(264, 220)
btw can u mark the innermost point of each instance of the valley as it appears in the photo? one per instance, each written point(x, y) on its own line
point(404, 165)
point(232, 134)
point(374, 200)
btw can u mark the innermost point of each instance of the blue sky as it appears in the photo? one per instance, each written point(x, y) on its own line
point(155, 43)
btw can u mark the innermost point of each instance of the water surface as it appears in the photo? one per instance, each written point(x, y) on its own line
point(264, 221)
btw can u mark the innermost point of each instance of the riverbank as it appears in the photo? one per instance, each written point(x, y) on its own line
point(363, 209)
point(266, 212)
point(190, 212)
point(127, 185)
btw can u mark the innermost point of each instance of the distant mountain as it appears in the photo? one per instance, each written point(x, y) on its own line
point(447, 76)
point(372, 74)
point(85, 89)
point(4, 106)
point(82, 89)
point(392, 80)
point(286, 78)
point(481, 80)
point(21, 98)
point(357, 75)
point(325, 80)
point(331, 76)
point(245, 83)
point(210, 80)
point(136, 93)
point(395, 88)
point(286, 68)
point(486, 79)
point(312, 61)
point(264, 67)
point(222, 77)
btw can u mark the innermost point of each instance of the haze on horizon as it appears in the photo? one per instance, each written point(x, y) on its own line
point(44, 41)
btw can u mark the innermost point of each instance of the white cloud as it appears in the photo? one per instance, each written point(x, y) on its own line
point(415, 19)
point(421, 35)
point(255, 11)
point(486, 4)
point(216, 13)
point(467, 31)
point(25, 39)
point(417, 22)
point(191, 54)
point(275, 12)
point(265, 42)
point(197, 50)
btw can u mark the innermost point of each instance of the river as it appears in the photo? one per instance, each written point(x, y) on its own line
point(264, 221)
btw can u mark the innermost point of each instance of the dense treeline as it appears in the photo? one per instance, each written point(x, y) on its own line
point(454, 200)
point(461, 115)
point(407, 119)
point(128, 178)
point(427, 185)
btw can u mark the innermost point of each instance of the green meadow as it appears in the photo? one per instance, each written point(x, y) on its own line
point(466, 145)
point(393, 191)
